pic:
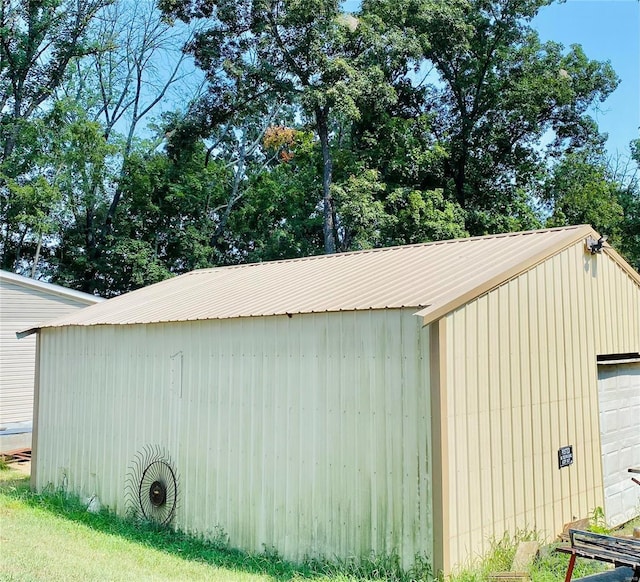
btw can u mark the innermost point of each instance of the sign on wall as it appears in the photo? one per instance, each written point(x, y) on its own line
point(565, 456)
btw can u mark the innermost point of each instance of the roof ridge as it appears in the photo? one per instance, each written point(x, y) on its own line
point(335, 256)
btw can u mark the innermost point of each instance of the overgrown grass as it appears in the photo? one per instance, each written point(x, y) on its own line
point(547, 567)
point(51, 536)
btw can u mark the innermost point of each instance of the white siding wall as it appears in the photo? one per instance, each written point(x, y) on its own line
point(310, 434)
point(619, 399)
point(20, 308)
point(521, 383)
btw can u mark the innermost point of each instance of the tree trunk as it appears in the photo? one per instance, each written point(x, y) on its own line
point(36, 259)
point(327, 201)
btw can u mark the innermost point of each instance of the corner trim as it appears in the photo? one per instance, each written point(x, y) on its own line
point(36, 413)
point(440, 447)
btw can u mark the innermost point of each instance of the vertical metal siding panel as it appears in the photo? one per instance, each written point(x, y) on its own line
point(310, 434)
point(457, 412)
point(548, 391)
point(473, 428)
point(522, 419)
point(573, 371)
point(505, 408)
point(544, 331)
point(589, 405)
point(531, 329)
point(495, 429)
point(515, 442)
point(393, 456)
point(484, 339)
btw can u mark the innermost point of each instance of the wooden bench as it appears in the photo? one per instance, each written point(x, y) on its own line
point(623, 553)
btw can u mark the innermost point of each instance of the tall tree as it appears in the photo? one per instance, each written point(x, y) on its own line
point(308, 52)
point(120, 88)
point(499, 92)
point(114, 76)
point(38, 41)
point(585, 187)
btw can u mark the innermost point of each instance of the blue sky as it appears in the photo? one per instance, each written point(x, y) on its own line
point(608, 30)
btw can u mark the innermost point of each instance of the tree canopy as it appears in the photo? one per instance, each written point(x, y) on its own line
point(287, 128)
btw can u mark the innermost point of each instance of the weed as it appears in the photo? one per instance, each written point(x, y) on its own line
point(373, 567)
point(550, 565)
point(214, 550)
point(598, 522)
point(497, 559)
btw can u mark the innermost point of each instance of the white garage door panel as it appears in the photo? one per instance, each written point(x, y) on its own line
point(619, 397)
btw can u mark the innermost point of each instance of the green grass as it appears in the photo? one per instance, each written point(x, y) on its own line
point(52, 537)
point(549, 566)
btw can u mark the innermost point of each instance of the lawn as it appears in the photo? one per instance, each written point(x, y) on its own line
point(52, 537)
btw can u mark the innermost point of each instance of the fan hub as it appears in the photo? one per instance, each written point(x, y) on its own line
point(158, 493)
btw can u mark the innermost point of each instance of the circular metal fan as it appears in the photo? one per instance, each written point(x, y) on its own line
point(152, 486)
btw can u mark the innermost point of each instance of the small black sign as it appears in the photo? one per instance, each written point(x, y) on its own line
point(565, 456)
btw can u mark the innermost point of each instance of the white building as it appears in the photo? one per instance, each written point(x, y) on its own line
point(24, 303)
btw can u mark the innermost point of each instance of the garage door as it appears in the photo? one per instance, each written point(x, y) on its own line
point(619, 397)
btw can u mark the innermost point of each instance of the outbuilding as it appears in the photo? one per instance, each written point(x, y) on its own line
point(25, 302)
point(417, 399)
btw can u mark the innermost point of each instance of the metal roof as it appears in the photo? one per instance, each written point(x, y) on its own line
point(49, 288)
point(433, 278)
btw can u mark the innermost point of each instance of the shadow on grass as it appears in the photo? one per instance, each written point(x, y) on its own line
point(213, 552)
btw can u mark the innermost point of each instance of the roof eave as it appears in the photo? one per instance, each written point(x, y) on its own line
point(626, 267)
point(27, 332)
point(50, 288)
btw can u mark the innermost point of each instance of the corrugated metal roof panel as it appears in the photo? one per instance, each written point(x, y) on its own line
point(431, 276)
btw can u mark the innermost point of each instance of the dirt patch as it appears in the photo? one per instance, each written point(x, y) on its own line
point(23, 467)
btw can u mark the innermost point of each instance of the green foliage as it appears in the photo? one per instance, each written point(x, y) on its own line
point(315, 134)
point(373, 567)
point(582, 193)
point(418, 216)
point(598, 522)
point(502, 91)
point(362, 214)
point(212, 550)
point(549, 566)
point(582, 188)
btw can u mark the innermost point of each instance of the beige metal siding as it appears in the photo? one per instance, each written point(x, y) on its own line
point(310, 434)
point(20, 308)
point(521, 383)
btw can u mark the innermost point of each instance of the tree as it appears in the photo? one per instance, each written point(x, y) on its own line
point(584, 187)
point(500, 91)
point(38, 41)
point(134, 64)
point(306, 52)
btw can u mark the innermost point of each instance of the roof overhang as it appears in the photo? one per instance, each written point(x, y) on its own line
point(436, 310)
